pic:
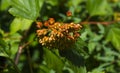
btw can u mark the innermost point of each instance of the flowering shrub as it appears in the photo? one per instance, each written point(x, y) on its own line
point(81, 37)
point(57, 35)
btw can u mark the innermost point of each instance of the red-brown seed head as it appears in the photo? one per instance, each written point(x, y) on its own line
point(69, 13)
point(51, 20)
point(39, 24)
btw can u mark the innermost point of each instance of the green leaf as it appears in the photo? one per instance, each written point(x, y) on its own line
point(1, 33)
point(26, 8)
point(76, 69)
point(102, 28)
point(5, 4)
point(98, 7)
point(91, 46)
point(12, 44)
point(74, 57)
point(105, 59)
point(113, 36)
point(79, 45)
point(74, 3)
point(84, 35)
point(53, 61)
point(15, 25)
point(45, 69)
point(25, 24)
point(52, 2)
point(97, 70)
point(3, 46)
point(20, 24)
point(2, 43)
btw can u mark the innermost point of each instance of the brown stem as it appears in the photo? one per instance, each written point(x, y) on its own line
point(20, 48)
point(18, 54)
point(95, 22)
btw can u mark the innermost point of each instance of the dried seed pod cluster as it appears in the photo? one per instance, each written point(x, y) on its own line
point(57, 35)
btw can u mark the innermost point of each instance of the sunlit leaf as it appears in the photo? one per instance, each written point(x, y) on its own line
point(15, 25)
point(20, 24)
point(26, 8)
point(5, 4)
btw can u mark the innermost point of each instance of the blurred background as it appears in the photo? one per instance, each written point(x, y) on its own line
point(99, 43)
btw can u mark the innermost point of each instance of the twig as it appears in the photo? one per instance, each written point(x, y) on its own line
point(95, 22)
point(20, 48)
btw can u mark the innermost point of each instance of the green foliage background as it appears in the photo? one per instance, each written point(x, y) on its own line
point(96, 51)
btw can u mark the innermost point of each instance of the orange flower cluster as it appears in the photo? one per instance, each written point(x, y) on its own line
point(57, 35)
